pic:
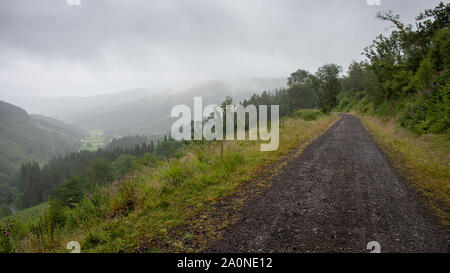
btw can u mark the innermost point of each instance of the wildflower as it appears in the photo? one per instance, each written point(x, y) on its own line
point(7, 234)
point(412, 113)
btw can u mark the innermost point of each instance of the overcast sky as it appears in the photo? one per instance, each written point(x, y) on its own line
point(49, 48)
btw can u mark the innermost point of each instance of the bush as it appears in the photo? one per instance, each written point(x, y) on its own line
point(147, 160)
point(309, 115)
point(5, 237)
point(89, 205)
point(5, 210)
point(71, 192)
point(99, 172)
point(57, 213)
point(343, 103)
point(168, 148)
point(428, 110)
point(123, 164)
point(12, 231)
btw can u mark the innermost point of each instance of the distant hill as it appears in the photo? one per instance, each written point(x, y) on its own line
point(151, 115)
point(26, 137)
point(68, 109)
point(143, 111)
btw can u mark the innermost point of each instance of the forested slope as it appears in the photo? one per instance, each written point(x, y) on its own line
point(406, 74)
point(29, 138)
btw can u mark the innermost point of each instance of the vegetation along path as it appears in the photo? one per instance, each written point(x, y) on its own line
point(340, 194)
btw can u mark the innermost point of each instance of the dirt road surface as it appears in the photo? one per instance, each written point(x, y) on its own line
point(337, 196)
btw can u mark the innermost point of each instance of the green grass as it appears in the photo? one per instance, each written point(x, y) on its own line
point(30, 215)
point(423, 160)
point(158, 198)
point(95, 133)
point(94, 141)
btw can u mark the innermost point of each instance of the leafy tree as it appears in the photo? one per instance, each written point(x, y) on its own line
point(407, 73)
point(99, 172)
point(298, 95)
point(5, 210)
point(5, 194)
point(327, 85)
point(71, 191)
point(299, 77)
point(168, 148)
point(430, 22)
point(123, 164)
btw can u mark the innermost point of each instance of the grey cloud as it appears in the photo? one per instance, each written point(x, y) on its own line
point(50, 48)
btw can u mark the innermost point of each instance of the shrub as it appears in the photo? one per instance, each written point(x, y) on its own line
point(99, 172)
point(5, 237)
point(123, 164)
point(71, 192)
point(57, 213)
point(309, 115)
point(343, 103)
point(4, 210)
point(169, 148)
point(147, 160)
point(428, 110)
point(89, 205)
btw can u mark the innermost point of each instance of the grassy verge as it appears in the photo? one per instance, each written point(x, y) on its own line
point(145, 207)
point(32, 214)
point(422, 160)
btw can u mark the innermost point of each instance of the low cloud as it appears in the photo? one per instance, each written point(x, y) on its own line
point(50, 48)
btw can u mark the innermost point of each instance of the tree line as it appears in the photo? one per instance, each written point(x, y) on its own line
point(304, 91)
point(406, 74)
point(79, 172)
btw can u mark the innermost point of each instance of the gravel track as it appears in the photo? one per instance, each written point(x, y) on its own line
point(339, 194)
